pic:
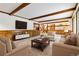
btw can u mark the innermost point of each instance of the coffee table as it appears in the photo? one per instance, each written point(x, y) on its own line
point(40, 44)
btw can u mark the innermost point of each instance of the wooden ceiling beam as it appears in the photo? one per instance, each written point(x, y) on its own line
point(57, 22)
point(61, 25)
point(76, 5)
point(55, 19)
point(51, 14)
point(13, 15)
point(19, 8)
point(75, 8)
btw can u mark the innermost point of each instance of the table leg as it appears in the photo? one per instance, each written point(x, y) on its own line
point(31, 43)
point(42, 48)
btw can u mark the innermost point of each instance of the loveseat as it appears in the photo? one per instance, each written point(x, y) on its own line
point(66, 48)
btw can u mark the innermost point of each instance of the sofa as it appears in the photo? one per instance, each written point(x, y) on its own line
point(66, 49)
point(8, 47)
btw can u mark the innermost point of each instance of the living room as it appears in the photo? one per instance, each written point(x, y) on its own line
point(39, 29)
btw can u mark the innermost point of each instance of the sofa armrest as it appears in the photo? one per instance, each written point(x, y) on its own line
point(64, 49)
point(21, 51)
point(2, 48)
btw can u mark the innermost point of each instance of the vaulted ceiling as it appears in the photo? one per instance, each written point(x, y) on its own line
point(40, 12)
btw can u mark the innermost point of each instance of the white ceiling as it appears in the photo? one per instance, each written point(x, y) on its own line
point(8, 7)
point(62, 15)
point(39, 9)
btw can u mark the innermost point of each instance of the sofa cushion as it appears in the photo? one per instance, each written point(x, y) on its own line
point(78, 40)
point(71, 39)
point(68, 37)
point(67, 40)
point(8, 43)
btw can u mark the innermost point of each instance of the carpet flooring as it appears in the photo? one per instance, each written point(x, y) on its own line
point(33, 51)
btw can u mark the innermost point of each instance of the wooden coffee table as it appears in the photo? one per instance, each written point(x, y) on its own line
point(40, 44)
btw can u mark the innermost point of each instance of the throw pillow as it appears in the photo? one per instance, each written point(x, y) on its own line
point(71, 40)
point(8, 43)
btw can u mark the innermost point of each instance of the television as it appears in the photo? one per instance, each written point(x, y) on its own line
point(20, 25)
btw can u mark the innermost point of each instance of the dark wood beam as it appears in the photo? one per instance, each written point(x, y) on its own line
point(56, 19)
point(51, 14)
point(19, 8)
point(20, 16)
point(75, 7)
point(4, 12)
point(57, 22)
point(13, 15)
point(61, 25)
point(60, 21)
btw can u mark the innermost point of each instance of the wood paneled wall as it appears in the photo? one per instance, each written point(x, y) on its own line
point(9, 33)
